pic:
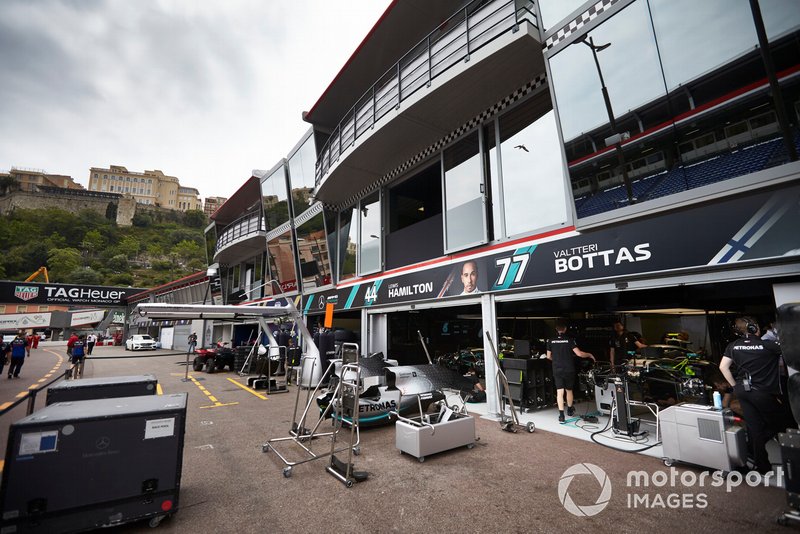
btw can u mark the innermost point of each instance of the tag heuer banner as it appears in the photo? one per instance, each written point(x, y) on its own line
point(36, 293)
point(747, 229)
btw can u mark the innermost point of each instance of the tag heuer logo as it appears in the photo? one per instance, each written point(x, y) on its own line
point(26, 292)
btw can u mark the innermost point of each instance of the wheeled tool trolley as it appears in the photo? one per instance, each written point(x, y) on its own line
point(81, 465)
point(101, 388)
point(433, 433)
point(508, 422)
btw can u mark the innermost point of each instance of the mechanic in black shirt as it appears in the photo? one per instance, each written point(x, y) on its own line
point(624, 342)
point(757, 386)
point(561, 351)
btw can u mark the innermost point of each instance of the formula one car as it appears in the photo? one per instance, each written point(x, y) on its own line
point(403, 389)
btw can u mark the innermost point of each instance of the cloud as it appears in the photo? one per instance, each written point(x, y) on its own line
point(205, 91)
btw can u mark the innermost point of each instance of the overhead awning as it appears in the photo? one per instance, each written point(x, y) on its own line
point(273, 310)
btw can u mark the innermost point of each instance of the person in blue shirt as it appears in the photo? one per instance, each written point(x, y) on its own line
point(19, 349)
point(78, 356)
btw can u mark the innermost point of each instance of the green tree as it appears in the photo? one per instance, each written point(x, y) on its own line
point(62, 262)
point(119, 264)
point(55, 240)
point(195, 219)
point(187, 250)
point(85, 276)
point(129, 246)
point(93, 241)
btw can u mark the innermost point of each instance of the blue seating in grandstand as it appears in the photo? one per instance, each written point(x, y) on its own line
point(743, 160)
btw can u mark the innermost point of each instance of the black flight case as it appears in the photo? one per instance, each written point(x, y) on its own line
point(101, 388)
point(75, 466)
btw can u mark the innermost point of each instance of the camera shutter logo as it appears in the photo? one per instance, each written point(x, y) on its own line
point(26, 292)
point(602, 500)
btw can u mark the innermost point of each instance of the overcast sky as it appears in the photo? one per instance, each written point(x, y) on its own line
point(204, 90)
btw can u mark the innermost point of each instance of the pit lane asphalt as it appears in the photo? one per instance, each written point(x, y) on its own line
point(508, 483)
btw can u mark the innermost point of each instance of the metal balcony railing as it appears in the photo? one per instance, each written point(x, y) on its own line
point(465, 32)
point(245, 226)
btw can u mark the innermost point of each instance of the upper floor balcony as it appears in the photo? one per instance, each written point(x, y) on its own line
point(475, 58)
point(241, 239)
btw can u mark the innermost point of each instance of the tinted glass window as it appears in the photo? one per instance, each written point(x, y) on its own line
point(301, 175)
point(281, 261)
point(312, 249)
point(370, 225)
point(348, 239)
point(463, 192)
point(275, 199)
point(533, 173)
point(554, 11)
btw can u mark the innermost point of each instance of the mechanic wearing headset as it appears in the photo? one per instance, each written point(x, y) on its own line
point(757, 386)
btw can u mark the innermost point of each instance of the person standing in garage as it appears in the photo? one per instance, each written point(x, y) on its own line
point(623, 342)
point(562, 351)
point(757, 386)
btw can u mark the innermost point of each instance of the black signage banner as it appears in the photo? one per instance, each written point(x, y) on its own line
point(753, 227)
point(75, 295)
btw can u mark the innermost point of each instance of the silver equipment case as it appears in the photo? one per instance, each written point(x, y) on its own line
point(701, 435)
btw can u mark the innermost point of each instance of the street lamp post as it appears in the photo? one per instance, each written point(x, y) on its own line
point(607, 100)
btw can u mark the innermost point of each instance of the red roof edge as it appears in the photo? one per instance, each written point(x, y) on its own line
point(307, 115)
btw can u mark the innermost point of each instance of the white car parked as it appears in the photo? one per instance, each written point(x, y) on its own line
point(140, 342)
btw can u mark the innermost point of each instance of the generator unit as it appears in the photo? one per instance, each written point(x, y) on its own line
point(101, 388)
point(81, 465)
point(702, 435)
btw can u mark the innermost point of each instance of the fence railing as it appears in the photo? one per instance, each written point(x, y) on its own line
point(242, 227)
point(30, 396)
point(452, 42)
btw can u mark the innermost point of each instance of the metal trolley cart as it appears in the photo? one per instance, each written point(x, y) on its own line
point(299, 433)
point(345, 402)
point(509, 423)
point(432, 433)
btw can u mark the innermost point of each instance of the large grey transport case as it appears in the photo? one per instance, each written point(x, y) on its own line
point(80, 465)
point(101, 388)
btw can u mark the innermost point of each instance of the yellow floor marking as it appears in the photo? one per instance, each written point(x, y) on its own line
point(249, 390)
point(48, 375)
point(2, 464)
point(42, 380)
point(20, 395)
point(33, 386)
point(218, 404)
point(159, 391)
point(211, 397)
point(4, 405)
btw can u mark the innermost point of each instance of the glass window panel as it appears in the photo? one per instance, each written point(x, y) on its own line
point(281, 261)
point(554, 11)
point(780, 16)
point(331, 218)
point(312, 249)
point(275, 199)
point(622, 52)
point(301, 175)
point(370, 224)
point(533, 173)
point(211, 244)
point(464, 209)
point(629, 65)
point(696, 37)
point(348, 239)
